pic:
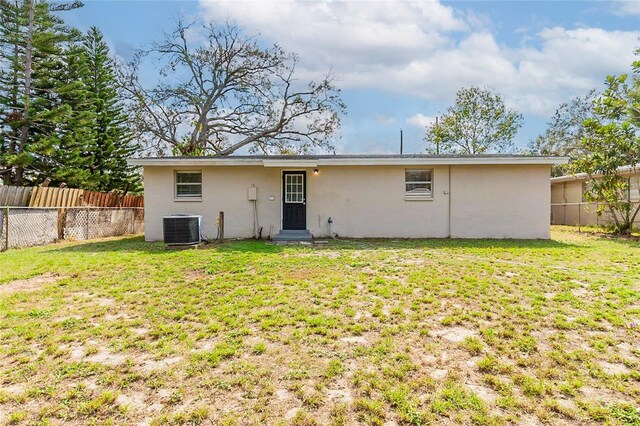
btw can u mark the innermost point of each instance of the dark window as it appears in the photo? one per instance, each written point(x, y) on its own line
point(189, 184)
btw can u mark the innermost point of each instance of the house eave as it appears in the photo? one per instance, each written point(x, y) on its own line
point(345, 161)
point(624, 171)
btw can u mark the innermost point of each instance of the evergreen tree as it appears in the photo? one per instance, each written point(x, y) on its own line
point(67, 143)
point(32, 50)
point(112, 139)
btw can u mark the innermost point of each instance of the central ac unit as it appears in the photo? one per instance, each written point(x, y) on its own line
point(182, 229)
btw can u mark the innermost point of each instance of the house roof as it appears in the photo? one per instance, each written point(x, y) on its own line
point(346, 160)
point(625, 170)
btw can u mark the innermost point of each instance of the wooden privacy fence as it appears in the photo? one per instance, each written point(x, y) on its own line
point(43, 196)
point(15, 195)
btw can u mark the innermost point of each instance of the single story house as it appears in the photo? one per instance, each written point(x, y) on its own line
point(568, 203)
point(359, 196)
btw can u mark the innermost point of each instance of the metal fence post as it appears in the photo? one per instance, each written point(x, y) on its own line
point(579, 216)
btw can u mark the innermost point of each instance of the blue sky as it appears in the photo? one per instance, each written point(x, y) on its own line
point(400, 63)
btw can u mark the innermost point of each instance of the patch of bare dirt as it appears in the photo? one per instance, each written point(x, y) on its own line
point(529, 420)
point(355, 339)
point(29, 284)
point(614, 369)
point(601, 395)
point(103, 301)
point(116, 317)
point(454, 334)
point(484, 393)
point(204, 345)
point(439, 374)
point(283, 394)
point(152, 365)
point(140, 331)
point(105, 357)
point(133, 401)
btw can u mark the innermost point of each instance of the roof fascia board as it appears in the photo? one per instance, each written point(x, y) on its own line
point(624, 171)
point(354, 161)
point(439, 161)
point(291, 163)
point(188, 162)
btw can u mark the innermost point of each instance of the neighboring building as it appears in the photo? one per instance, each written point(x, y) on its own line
point(390, 196)
point(568, 204)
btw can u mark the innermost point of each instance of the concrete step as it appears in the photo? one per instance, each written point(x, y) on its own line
point(293, 235)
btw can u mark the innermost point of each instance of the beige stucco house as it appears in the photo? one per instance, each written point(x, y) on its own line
point(568, 204)
point(390, 196)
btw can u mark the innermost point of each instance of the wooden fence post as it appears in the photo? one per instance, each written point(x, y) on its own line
point(221, 225)
point(6, 228)
point(62, 216)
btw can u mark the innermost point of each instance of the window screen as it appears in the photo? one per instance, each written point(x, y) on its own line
point(418, 182)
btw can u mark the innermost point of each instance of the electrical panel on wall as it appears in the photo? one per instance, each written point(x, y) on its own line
point(252, 193)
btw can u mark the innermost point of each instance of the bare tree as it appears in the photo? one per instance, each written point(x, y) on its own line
point(227, 93)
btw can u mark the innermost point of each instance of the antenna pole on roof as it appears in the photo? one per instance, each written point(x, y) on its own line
point(400, 141)
point(437, 141)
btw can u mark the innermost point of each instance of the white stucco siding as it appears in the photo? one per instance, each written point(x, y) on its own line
point(223, 189)
point(369, 201)
point(495, 201)
point(510, 201)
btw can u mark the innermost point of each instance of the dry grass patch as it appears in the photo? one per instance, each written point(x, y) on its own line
point(353, 332)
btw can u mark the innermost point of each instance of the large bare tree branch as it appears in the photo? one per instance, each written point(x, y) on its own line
point(226, 93)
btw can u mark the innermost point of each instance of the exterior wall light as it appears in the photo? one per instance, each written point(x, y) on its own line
point(315, 172)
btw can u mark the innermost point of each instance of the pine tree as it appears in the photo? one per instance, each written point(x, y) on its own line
point(68, 144)
point(11, 73)
point(112, 138)
point(32, 48)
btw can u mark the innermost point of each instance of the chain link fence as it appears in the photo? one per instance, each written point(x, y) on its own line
point(582, 214)
point(26, 227)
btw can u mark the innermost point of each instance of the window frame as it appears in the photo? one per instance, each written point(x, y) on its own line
point(176, 184)
point(300, 185)
point(408, 196)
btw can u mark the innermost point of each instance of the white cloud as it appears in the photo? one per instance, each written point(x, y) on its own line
point(430, 50)
point(384, 120)
point(421, 120)
point(626, 8)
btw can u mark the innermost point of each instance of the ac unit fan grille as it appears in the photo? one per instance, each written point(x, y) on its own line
point(181, 230)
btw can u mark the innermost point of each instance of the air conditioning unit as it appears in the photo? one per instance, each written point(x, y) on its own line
point(181, 229)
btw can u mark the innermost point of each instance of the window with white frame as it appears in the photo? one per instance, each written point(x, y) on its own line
point(294, 188)
point(418, 183)
point(188, 184)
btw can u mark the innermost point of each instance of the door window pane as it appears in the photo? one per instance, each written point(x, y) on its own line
point(294, 188)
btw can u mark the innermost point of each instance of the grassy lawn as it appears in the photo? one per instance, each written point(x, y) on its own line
point(352, 332)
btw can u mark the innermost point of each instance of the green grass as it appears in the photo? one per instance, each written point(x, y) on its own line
point(363, 331)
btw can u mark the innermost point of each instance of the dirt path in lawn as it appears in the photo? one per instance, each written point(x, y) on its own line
point(29, 284)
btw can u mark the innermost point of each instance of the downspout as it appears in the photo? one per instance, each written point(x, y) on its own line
point(449, 210)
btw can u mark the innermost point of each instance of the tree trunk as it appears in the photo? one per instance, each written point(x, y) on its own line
point(24, 131)
point(7, 175)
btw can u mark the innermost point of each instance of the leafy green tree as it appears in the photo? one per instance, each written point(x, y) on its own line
point(479, 122)
point(611, 144)
point(565, 130)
